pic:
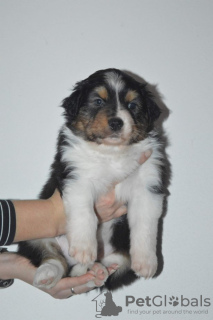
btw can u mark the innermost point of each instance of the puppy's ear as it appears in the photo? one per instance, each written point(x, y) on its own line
point(152, 108)
point(73, 103)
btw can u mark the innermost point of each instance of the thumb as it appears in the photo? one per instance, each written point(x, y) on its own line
point(144, 156)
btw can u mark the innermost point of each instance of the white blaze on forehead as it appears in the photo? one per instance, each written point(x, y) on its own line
point(116, 83)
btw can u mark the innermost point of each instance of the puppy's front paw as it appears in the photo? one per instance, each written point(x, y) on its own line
point(48, 274)
point(84, 252)
point(145, 266)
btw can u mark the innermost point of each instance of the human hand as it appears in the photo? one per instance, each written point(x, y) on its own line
point(107, 207)
point(13, 266)
point(65, 287)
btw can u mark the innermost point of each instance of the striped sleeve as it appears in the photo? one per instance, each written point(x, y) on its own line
point(7, 222)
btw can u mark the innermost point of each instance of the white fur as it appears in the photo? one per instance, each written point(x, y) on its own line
point(128, 123)
point(115, 81)
point(121, 260)
point(96, 268)
point(98, 167)
point(48, 274)
point(104, 236)
point(94, 168)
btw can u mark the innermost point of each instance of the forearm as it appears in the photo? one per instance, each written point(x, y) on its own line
point(37, 219)
point(13, 266)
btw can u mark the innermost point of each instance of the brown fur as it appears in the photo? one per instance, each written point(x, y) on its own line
point(99, 127)
point(131, 95)
point(102, 91)
point(56, 252)
point(138, 133)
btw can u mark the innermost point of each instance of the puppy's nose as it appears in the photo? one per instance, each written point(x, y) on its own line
point(115, 124)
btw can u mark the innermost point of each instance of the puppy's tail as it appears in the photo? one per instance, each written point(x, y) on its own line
point(119, 279)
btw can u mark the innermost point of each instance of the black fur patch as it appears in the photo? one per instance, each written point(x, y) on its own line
point(80, 107)
point(157, 189)
point(30, 252)
point(120, 237)
point(125, 279)
point(80, 104)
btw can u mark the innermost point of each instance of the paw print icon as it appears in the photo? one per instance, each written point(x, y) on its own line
point(174, 301)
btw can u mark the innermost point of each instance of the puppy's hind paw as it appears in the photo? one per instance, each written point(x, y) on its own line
point(145, 267)
point(48, 274)
point(101, 274)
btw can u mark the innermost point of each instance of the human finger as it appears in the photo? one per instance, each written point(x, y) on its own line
point(70, 292)
point(63, 288)
point(144, 156)
point(76, 281)
point(79, 288)
point(106, 200)
point(75, 290)
point(120, 211)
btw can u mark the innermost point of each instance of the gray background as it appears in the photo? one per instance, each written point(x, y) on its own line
point(46, 46)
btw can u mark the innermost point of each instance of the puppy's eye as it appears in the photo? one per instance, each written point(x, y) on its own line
point(99, 102)
point(132, 106)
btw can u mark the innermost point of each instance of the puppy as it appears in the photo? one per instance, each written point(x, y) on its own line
point(109, 121)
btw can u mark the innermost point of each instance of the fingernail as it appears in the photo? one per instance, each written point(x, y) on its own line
point(91, 272)
point(148, 153)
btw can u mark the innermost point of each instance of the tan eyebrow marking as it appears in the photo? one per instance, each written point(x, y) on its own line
point(131, 95)
point(102, 91)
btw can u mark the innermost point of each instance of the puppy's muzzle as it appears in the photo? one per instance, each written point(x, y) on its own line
point(115, 124)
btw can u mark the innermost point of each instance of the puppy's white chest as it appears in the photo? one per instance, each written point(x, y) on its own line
point(111, 170)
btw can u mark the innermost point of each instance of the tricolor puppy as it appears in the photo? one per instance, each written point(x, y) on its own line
point(109, 120)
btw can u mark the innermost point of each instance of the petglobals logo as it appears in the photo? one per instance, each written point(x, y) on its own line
point(164, 301)
point(105, 305)
point(167, 305)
